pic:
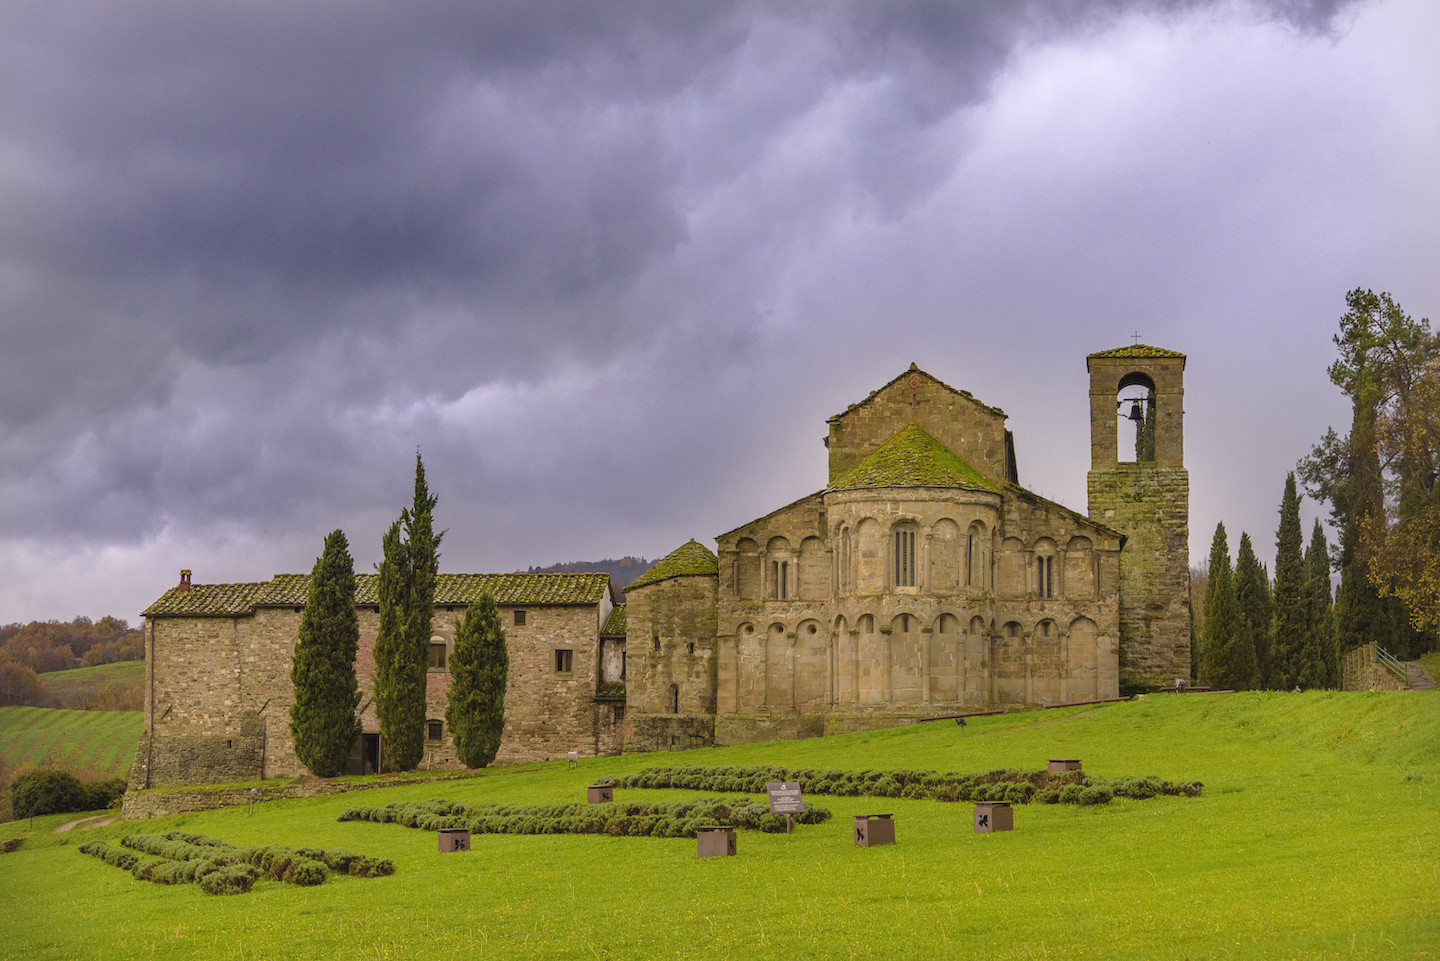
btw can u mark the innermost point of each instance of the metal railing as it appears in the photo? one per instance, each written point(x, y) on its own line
point(1385, 659)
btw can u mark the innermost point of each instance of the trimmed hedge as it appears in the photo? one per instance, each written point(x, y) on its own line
point(220, 868)
point(1014, 786)
point(675, 819)
point(59, 792)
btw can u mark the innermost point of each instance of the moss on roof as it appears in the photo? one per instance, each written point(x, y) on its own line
point(690, 559)
point(290, 590)
point(1137, 350)
point(913, 458)
point(615, 623)
point(911, 370)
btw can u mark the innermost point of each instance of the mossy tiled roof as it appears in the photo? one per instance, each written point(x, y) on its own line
point(913, 458)
point(615, 623)
point(1137, 350)
point(289, 590)
point(207, 600)
point(691, 558)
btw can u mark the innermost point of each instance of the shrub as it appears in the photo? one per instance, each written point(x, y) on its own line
point(46, 792)
point(115, 857)
point(100, 795)
point(1096, 794)
point(230, 879)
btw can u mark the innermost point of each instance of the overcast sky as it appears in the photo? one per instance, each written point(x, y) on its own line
point(610, 266)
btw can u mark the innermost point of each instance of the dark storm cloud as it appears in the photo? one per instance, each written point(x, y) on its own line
point(253, 254)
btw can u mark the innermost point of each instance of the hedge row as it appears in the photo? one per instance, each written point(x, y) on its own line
point(1015, 786)
point(60, 792)
point(675, 819)
point(220, 868)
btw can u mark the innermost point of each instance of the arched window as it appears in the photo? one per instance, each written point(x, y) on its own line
point(1045, 579)
point(1135, 419)
point(904, 557)
point(674, 699)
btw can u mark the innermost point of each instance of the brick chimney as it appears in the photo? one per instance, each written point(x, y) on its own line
point(184, 581)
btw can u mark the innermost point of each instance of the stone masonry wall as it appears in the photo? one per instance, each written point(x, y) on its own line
point(1151, 505)
point(221, 694)
point(670, 664)
point(971, 429)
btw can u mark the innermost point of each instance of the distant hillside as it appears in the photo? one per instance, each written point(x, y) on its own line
point(621, 572)
point(102, 742)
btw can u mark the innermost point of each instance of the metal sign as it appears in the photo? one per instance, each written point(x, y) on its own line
point(785, 797)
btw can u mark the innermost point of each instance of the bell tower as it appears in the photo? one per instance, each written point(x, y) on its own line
point(1137, 408)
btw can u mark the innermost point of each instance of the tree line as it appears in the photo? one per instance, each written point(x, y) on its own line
point(323, 719)
point(1380, 481)
point(45, 646)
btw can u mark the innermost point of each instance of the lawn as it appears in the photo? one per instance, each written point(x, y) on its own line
point(1315, 838)
point(100, 741)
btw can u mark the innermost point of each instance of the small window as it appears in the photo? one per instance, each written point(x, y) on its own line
point(905, 558)
point(564, 661)
point(619, 713)
point(519, 618)
point(434, 730)
point(1045, 576)
point(779, 580)
point(437, 656)
point(655, 642)
point(691, 646)
point(622, 665)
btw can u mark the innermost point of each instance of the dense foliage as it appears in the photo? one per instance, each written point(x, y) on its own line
point(220, 868)
point(45, 646)
point(322, 719)
point(1017, 787)
point(1382, 479)
point(479, 669)
point(33, 793)
point(674, 819)
point(1228, 659)
point(411, 561)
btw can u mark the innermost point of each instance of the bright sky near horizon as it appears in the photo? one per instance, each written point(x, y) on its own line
point(610, 267)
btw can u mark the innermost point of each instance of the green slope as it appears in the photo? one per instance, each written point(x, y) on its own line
point(102, 742)
point(1315, 838)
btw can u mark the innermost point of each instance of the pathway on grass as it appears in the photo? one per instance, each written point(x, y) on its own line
point(1418, 678)
point(100, 821)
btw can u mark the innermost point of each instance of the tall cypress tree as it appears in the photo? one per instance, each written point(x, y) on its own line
point(408, 572)
point(1252, 591)
point(1292, 622)
point(479, 669)
point(1322, 658)
point(1224, 663)
point(323, 725)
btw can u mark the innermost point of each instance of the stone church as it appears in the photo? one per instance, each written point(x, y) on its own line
point(921, 581)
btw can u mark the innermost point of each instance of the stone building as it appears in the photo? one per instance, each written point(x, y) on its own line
point(218, 689)
point(923, 580)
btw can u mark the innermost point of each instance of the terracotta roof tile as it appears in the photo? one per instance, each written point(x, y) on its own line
point(290, 590)
point(615, 623)
point(689, 559)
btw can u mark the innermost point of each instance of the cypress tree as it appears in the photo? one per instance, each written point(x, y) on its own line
point(1291, 619)
point(408, 572)
point(323, 725)
point(479, 669)
point(1252, 592)
point(1322, 659)
point(1224, 663)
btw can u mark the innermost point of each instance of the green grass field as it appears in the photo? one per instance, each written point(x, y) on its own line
point(1316, 837)
point(103, 741)
point(78, 688)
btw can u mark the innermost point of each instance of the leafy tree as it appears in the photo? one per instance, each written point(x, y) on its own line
point(322, 719)
point(1292, 622)
point(1252, 592)
point(1226, 661)
point(408, 570)
point(1381, 479)
point(1321, 658)
point(479, 669)
point(19, 685)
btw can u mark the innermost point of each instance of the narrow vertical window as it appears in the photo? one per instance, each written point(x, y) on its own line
point(779, 580)
point(970, 561)
point(904, 558)
point(1044, 576)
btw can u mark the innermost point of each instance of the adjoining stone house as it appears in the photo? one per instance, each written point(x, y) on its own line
point(923, 580)
point(218, 689)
